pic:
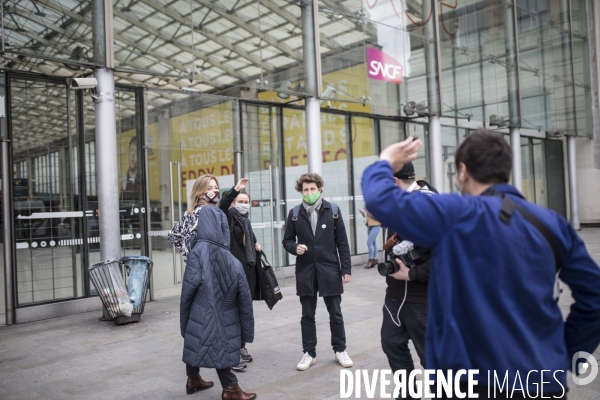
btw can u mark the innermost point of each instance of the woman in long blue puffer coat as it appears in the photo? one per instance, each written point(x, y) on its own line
point(216, 305)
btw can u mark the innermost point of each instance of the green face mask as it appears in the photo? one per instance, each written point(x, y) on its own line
point(311, 198)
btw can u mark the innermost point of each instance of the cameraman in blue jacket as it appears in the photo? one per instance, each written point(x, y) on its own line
point(492, 303)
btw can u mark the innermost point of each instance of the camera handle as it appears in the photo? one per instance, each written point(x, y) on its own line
point(399, 324)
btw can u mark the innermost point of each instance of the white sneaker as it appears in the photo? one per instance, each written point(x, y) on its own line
point(344, 359)
point(306, 362)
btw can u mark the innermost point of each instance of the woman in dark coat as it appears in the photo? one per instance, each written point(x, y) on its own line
point(216, 306)
point(243, 245)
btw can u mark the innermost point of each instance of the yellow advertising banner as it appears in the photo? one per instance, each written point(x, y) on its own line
point(203, 139)
point(349, 87)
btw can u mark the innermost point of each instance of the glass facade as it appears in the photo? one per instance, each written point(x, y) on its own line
point(200, 83)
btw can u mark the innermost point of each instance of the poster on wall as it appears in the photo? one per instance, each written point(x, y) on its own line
point(203, 142)
point(347, 86)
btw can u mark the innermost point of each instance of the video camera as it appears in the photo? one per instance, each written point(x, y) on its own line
point(403, 251)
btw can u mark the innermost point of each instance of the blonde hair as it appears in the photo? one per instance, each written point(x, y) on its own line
point(199, 190)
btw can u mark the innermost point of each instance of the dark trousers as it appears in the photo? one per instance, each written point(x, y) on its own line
point(226, 376)
point(309, 328)
point(394, 339)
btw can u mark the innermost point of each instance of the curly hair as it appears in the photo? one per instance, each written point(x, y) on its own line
point(310, 177)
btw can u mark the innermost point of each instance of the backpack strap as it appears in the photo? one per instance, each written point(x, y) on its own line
point(506, 211)
point(295, 212)
point(335, 210)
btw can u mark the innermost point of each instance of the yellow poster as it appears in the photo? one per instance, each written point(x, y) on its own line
point(350, 90)
point(203, 139)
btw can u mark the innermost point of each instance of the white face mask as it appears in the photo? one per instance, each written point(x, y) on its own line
point(242, 208)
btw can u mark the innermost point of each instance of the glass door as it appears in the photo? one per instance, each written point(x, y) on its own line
point(262, 165)
point(166, 208)
point(48, 215)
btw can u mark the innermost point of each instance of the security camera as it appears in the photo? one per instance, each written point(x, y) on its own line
point(82, 83)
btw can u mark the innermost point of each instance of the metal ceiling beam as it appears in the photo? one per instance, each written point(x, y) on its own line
point(337, 6)
point(148, 28)
point(82, 20)
point(292, 19)
point(176, 16)
point(223, 12)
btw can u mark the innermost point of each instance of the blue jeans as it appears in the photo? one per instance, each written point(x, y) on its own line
point(372, 241)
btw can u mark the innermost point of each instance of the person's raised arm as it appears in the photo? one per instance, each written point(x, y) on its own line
point(416, 216)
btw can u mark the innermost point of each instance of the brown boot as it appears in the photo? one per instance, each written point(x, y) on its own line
point(195, 383)
point(235, 392)
point(372, 262)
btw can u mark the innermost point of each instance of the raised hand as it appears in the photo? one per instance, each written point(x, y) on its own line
point(241, 185)
point(402, 152)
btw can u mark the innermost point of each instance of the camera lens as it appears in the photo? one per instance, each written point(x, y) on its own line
point(387, 267)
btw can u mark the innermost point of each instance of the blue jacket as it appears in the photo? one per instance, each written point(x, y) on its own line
point(216, 306)
point(491, 304)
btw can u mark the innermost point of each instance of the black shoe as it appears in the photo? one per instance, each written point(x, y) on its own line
point(246, 357)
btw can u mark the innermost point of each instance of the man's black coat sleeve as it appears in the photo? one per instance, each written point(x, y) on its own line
point(289, 238)
point(227, 199)
point(420, 272)
point(341, 241)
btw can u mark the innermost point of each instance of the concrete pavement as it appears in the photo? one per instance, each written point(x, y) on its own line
point(78, 357)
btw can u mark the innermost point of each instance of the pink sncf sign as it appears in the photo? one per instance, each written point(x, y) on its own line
point(383, 67)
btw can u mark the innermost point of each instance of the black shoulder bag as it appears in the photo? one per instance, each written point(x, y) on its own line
point(269, 288)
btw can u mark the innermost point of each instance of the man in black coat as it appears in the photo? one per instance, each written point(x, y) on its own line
point(405, 304)
point(315, 233)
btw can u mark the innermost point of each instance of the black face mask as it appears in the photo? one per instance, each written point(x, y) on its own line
point(212, 197)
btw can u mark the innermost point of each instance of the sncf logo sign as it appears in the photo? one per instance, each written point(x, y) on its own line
point(383, 67)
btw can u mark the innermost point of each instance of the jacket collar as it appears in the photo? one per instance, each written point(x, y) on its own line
point(324, 205)
point(505, 188)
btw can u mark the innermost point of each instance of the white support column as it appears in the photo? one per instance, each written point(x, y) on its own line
point(313, 79)
point(238, 159)
point(515, 144)
point(573, 188)
point(106, 165)
point(434, 96)
point(513, 92)
point(313, 136)
point(435, 152)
